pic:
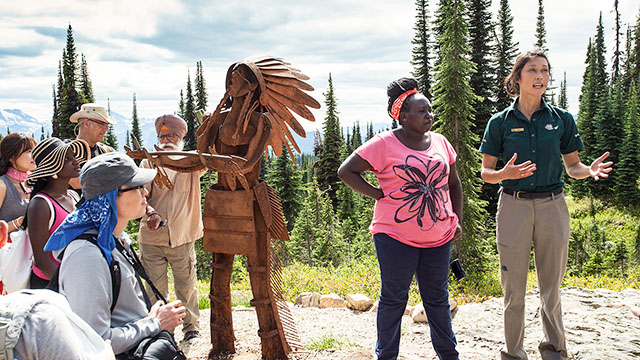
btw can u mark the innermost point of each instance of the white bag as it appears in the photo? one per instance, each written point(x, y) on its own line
point(16, 260)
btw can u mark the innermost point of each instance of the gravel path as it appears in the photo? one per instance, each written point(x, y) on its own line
point(598, 327)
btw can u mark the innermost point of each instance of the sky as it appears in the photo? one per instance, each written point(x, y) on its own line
point(147, 47)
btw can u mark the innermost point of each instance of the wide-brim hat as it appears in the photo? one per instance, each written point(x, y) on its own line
point(92, 111)
point(109, 171)
point(49, 156)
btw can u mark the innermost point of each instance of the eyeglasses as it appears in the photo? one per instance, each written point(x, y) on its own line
point(139, 187)
point(100, 123)
point(166, 136)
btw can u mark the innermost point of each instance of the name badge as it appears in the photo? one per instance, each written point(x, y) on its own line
point(517, 130)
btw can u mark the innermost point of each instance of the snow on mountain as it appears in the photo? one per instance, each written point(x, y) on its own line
point(17, 121)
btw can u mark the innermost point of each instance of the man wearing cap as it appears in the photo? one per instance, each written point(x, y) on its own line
point(174, 243)
point(93, 123)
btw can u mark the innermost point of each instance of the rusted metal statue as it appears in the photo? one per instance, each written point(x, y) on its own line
point(243, 215)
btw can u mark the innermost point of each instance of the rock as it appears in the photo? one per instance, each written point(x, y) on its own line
point(374, 308)
point(418, 314)
point(408, 309)
point(308, 299)
point(332, 301)
point(359, 302)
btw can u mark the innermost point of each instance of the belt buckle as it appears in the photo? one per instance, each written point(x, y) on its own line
point(518, 195)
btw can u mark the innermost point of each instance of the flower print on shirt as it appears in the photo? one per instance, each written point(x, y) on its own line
point(423, 191)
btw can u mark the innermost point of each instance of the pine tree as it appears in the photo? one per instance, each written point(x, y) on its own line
point(135, 123)
point(128, 142)
point(394, 123)
point(356, 138)
point(190, 117)
point(55, 106)
point(201, 89)
point(506, 52)
point(541, 32)
point(110, 138)
point(370, 133)
point(615, 66)
point(56, 102)
point(480, 30)
point(181, 105)
point(285, 177)
point(562, 99)
point(86, 89)
point(70, 98)
point(628, 173)
point(634, 54)
point(329, 158)
point(454, 100)
point(42, 137)
point(422, 49)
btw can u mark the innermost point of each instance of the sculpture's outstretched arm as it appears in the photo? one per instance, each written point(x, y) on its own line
point(189, 161)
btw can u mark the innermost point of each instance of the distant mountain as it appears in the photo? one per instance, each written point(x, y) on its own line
point(16, 120)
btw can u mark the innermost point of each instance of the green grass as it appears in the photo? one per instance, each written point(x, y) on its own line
point(327, 342)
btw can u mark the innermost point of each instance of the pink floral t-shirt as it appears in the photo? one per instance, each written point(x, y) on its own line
point(416, 207)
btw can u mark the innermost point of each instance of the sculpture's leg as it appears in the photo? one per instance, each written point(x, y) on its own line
point(222, 338)
point(274, 345)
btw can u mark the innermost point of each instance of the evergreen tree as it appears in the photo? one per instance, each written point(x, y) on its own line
point(454, 100)
point(135, 123)
point(634, 54)
point(615, 66)
point(71, 100)
point(562, 99)
point(285, 177)
point(190, 117)
point(506, 52)
point(611, 132)
point(57, 101)
point(480, 30)
point(422, 49)
point(201, 88)
point(42, 137)
point(128, 142)
point(86, 89)
point(541, 32)
point(394, 123)
point(110, 138)
point(181, 105)
point(628, 173)
point(370, 133)
point(55, 106)
point(356, 138)
point(329, 158)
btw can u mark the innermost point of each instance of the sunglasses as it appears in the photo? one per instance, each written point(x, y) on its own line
point(100, 123)
point(139, 187)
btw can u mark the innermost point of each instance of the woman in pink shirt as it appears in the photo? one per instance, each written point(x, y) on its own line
point(418, 212)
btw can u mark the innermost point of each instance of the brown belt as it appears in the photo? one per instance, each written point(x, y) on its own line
point(531, 194)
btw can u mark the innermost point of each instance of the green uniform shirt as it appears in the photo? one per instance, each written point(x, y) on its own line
point(550, 133)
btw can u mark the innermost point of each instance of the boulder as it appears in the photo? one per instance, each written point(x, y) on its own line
point(418, 314)
point(308, 299)
point(332, 301)
point(359, 302)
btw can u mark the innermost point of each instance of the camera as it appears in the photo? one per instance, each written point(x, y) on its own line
point(457, 269)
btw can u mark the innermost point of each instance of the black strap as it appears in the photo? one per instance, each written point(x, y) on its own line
point(134, 261)
point(114, 271)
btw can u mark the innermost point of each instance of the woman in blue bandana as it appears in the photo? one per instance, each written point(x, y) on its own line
point(113, 194)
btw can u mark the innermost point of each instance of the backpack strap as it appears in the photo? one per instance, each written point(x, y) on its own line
point(12, 318)
point(114, 271)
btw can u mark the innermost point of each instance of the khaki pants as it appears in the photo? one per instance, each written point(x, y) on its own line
point(183, 265)
point(545, 223)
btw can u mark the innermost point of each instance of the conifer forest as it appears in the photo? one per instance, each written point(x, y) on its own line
point(461, 53)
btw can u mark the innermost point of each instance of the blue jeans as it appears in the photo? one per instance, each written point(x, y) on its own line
point(398, 263)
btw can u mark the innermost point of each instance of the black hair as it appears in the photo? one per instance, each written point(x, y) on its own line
point(12, 146)
point(397, 88)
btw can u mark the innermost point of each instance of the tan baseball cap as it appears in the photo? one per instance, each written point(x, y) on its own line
point(92, 111)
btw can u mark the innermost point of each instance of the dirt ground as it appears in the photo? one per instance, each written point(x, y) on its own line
point(597, 323)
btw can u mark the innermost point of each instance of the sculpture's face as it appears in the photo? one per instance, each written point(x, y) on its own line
point(242, 86)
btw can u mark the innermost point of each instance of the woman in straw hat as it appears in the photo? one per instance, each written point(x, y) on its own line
point(51, 199)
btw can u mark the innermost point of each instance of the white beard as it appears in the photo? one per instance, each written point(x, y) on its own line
point(179, 146)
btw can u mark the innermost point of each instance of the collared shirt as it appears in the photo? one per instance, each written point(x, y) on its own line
point(552, 132)
point(180, 206)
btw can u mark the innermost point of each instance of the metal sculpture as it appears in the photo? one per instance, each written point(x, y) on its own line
point(243, 215)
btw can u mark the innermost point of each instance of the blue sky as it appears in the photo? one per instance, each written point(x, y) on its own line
point(147, 47)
